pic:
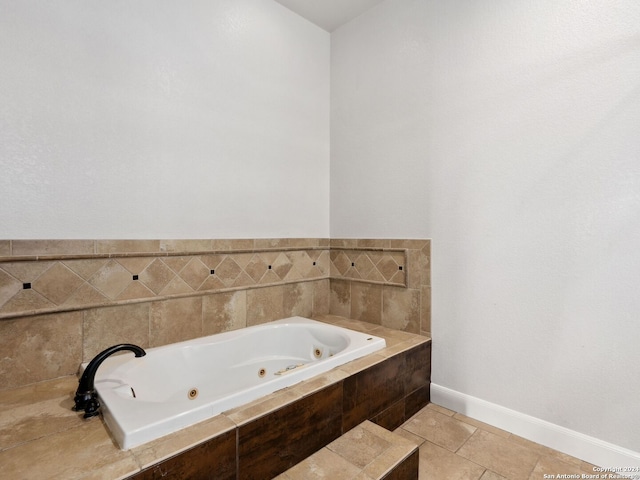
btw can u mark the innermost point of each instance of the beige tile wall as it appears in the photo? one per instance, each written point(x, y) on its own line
point(83, 296)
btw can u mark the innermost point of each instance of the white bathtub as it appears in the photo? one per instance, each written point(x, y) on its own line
point(178, 385)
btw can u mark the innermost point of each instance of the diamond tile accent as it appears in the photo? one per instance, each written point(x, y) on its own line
point(341, 262)
point(58, 283)
point(228, 271)
point(111, 279)
point(194, 273)
point(364, 265)
point(387, 267)
point(256, 268)
point(283, 264)
point(156, 276)
point(374, 266)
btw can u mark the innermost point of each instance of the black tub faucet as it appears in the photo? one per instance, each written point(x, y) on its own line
point(86, 398)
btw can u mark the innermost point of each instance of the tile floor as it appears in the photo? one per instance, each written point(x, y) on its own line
point(456, 447)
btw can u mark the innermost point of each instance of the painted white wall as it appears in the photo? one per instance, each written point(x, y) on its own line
point(508, 132)
point(162, 119)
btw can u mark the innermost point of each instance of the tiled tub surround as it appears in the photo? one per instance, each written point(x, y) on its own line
point(42, 438)
point(61, 302)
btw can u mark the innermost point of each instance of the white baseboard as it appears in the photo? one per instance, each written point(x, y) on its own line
point(564, 440)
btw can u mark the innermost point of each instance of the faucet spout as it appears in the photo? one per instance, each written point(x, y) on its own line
point(86, 398)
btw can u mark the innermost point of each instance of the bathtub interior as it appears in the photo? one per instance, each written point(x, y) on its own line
point(178, 385)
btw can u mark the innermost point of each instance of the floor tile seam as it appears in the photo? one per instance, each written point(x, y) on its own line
point(467, 439)
point(485, 468)
point(534, 466)
point(536, 454)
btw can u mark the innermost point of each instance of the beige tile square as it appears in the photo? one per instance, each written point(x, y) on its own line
point(439, 429)
point(222, 312)
point(104, 327)
point(499, 455)
point(298, 299)
point(437, 463)
point(340, 298)
point(264, 305)
point(401, 309)
point(321, 293)
point(366, 302)
point(175, 320)
point(40, 348)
